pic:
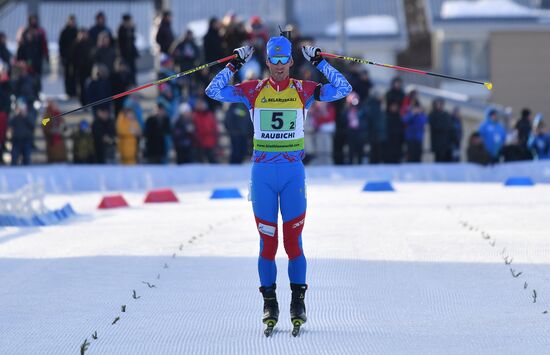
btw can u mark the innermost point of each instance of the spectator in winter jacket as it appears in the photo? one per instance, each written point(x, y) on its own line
point(5, 54)
point(213, 49)
point(395, 94)
point(33, 47)
point(83, 144)
point(82, 61)
point(99, 27)
point(165, 36)
point(56, 149)
point(523, 128)
point(415, 121)
point(5, 106)
point(457, 126)
point(98, 87)
point(476, 151)
point(206, 132)
point(323, 116)
point(104, 53)
point(442, 133)
point(356, 128)
point(157, 127)
point(234, 31)
point(361, 83)
point(104, 132)
point(493, 134)
point(394, 144)
point(22, 128)
point(128, 132)
point(127, 45)
point(186, 55)
point(67, 39)
point(132, 101)
point(539, 143)
point(25, 85)
point(121, 80)
point(183, 134)
point(408, 102)
point(239, 128)
point(258, 35)
point(167, 70)
point(185, 52)
point(377, 128)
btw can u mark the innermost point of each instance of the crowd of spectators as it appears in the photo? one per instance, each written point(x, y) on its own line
point(185, 126)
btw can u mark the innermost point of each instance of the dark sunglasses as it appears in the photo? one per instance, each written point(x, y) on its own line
point(279, 59)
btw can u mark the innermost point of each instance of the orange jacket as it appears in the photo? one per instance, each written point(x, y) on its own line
point(128, 131)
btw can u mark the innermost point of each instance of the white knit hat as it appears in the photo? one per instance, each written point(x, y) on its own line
point(184, 108)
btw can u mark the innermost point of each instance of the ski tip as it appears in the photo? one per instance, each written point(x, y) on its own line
point(45, 121)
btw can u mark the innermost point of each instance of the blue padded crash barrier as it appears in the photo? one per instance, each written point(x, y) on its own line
point(225, 193)
point(378, 186)
point(44, 219)
point(519, 181)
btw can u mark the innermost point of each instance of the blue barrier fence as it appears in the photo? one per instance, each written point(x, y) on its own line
point(73, 178)
point(44, 219)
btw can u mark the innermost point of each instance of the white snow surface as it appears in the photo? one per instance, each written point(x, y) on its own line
point(484, 8)
point(366, 26)
point(407, 272)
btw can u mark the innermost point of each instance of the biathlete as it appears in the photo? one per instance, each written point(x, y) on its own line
point(278, 107)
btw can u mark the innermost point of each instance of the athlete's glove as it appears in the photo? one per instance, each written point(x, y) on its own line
point(243, 55)
point(312, 54)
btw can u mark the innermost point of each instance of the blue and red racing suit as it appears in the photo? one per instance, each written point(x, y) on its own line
point(278, 111)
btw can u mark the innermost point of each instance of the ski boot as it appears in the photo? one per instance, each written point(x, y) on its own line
point(271, 308)
point(297, 307)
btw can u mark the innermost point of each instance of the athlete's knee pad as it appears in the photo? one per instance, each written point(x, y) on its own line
point(268, 233)
point(291, 234)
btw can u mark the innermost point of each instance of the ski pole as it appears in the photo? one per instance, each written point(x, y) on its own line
point(488, 85)
point(157, 82)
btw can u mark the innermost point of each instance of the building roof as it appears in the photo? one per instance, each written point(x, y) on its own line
point(315, 17)
point(495, 14)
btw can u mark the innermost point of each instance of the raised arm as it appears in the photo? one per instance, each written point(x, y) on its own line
point(219, 90)
point(338, 86)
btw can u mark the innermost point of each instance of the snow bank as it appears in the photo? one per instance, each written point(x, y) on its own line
point(484, 8)
point(366, 26)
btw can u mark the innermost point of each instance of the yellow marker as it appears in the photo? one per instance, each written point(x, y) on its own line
point(488, 86)
point(45, 121)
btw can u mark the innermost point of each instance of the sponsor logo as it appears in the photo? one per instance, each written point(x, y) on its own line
point(278, 135)
point(298, 224)
point(278, 99)
point(264, 100)
point(265, 229)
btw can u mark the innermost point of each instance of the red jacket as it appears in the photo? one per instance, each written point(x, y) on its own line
point(206, 129)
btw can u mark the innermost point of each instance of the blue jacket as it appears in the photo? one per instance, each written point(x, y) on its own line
point(414, 126)
point(493, 135)
point(540, 146)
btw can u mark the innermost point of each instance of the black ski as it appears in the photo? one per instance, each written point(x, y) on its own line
point(297, 323)
point(270, 326)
